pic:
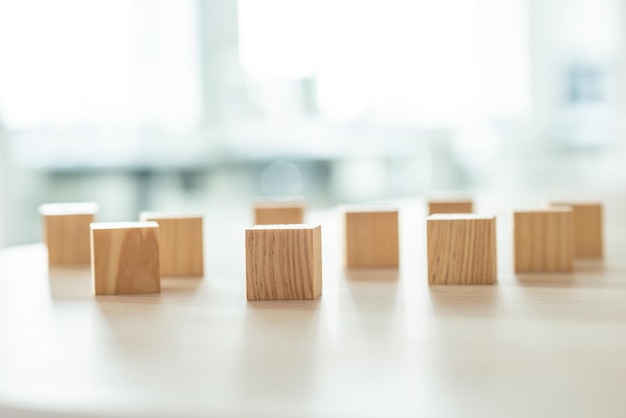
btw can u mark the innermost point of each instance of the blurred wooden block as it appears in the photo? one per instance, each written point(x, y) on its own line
point(450, 206)
point(588, 228)
point(283, 262)
point(461, 249)
point(371, 238)
point(276, 213)
point(66, 232)
point(181, 250)
point(543, 240)
point(125, 258)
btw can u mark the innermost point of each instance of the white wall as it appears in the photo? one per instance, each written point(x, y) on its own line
point(565, 33)
point(2, 198)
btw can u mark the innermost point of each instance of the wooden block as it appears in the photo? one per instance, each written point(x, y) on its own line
point(450, 206)
point(461, 249)
point(66, 232)
point(588, 228)
point(125, 258)
point(276, 213)
point(371, 238)
point(181, 251)
point(283, 262)
point(543, 240)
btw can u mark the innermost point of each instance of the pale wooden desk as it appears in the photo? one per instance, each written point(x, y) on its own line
point(375, 344)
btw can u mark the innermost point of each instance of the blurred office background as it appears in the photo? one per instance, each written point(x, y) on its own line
point(196, 104)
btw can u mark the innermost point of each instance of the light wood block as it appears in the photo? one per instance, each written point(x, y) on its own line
point(450, 206)
point(371, 238)
point(543, 240)
point(181, 250)
point(125, 258)
point(283, 262)
point(461, 249)
point(276, 213)
point(66, 232)
point(588, 228)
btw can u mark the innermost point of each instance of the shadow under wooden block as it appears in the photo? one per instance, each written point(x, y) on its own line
point(450, 206)
point(371, 238)
point(277, 212)
point(70, 283)
point(283, 262)
point(181, 250)
point(588, 228)
point(461, 249)
point(125, 258)
point(66, 232)
point(543, 241)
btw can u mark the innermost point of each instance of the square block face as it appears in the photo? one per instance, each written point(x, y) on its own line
point(66, 232)
point(461, 249)
point(284, 262)
point(181, 251)
point(125, 258)
point(588, 229)
point(371, 239)
point(543, 241)
point(278, 213)
point(450, 206)
point(67, 239)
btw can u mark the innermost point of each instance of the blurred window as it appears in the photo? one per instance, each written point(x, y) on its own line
point(70, 64)
point(420, 62)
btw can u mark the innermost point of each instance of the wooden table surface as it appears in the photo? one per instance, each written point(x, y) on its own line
point(377, 343)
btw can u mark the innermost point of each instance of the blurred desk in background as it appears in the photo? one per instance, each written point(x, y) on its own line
point(308, 139)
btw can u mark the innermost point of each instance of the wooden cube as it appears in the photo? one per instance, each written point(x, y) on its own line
point(125, 258)
point(276, 212)
point(461, 249)
point(371, 238)
point(450, 206)
point(283, 262)
point(66, 232)
point(181, 251)
point(588, 228)
point(543, 240)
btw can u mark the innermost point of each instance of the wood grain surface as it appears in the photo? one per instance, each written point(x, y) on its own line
point(588, 228)
point(277, 212)
point(461, 249)
point(181, 243)
point(66, 232)
point(543, 240)
point(284, 262)
point(371, 237)
point(125, 258)
point(450, 206)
